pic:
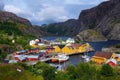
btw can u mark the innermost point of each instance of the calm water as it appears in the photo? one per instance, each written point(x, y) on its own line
point(75, 59)
point(54, 38)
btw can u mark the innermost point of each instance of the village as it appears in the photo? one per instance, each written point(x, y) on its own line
point(60, 51)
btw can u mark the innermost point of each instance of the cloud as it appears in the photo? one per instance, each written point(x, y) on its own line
point(12, 8)
point(47, 11)
point(52, 12)
point(84, 2)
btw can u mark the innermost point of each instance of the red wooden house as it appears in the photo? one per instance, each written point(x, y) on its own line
point(112, 62)
point(50, 49)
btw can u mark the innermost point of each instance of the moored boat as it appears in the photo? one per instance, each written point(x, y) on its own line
point(86, 58)
point(54, 59)
point(60, 58)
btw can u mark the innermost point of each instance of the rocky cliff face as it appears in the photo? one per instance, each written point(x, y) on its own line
point(103, 18)
point(8, 16)
point(90, 35)
point(68, 28)
point(29, 29)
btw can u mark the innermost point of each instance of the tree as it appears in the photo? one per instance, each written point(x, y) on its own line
point(107, 70)
point(85, 71)
point(71, 71)
point(49, 73)
point(62, 76)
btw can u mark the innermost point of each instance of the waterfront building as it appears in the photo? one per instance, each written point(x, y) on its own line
point(102, 57)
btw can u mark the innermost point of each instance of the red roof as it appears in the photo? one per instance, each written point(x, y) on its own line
point(111, 63)
point(103, 54)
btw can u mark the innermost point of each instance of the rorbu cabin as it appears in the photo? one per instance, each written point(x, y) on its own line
point(58, 48)
point(102, 57)
point(50, 49)
point(84, 48)
point(34, 50)
point(69, 50)
point(111, 62)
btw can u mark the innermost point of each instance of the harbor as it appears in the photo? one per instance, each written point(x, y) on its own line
point(56, 53)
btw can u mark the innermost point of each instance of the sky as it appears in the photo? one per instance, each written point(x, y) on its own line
point(47, 11)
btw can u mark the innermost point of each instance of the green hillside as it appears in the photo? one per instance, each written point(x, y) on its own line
point(10, 31)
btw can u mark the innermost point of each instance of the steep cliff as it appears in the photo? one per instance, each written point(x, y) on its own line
point(103, 18)
point(90, 35)
point(67, 28)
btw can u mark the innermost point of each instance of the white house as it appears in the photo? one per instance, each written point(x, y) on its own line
point(41, 44)
point(70, 40)
point(32, 42)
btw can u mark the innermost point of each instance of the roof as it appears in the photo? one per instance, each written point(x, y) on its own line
point(112, 60)
point(61, 46)
point(76, 45)
point(103, 54)
point(49, 47)
point(71, 47)
point(21, 58)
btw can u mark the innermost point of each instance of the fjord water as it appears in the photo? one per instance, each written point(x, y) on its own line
point(75, 59)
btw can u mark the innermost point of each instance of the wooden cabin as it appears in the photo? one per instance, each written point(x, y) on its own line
point(50, 49)
point(102, 57)
point(111, 62)
point(84, 48)
point(58, 48)
point(69, 50)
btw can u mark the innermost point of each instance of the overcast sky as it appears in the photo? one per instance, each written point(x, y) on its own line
point(47, 11)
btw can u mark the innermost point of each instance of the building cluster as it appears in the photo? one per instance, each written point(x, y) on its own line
point(70, 49)
point(34, 54)
point(42, 42)
point(27, 55)
point(106, 57)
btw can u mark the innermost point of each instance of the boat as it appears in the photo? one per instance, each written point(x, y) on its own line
point(60, 58)
point(86, 57)
point(54, 59)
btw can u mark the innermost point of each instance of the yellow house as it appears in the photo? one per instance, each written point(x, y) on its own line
point(102, 57)
point(58, 48)
point(69, 50)
point(117, 57)
point(84, 48)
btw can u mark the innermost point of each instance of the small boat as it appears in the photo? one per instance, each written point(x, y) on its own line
point(60, 58)
point(54, 59)
point(86, 58)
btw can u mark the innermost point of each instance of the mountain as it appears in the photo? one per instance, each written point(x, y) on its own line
point(17, 29)
point(90, 35)
point(24, 25)
point(68, 28)
point(104, 18)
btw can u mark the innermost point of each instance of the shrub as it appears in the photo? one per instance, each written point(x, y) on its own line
point(107, 70)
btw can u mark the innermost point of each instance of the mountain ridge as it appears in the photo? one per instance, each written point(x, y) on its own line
point(102, 18)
